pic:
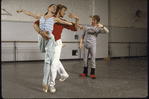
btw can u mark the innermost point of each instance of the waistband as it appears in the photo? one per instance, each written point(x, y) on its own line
point(58, 42)
point(50, 34)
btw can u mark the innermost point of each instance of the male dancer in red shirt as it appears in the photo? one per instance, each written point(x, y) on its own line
point(61, 10)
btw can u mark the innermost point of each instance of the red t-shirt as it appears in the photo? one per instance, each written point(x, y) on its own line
point(57, 29)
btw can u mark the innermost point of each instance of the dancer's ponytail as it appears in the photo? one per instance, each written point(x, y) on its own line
point(46, 13)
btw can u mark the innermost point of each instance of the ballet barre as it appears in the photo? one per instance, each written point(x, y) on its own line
point(15, 47)
point(129, 44)
point(15, 42)
point(37, 41)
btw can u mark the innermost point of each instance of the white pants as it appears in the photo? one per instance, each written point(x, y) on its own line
point(57, 64)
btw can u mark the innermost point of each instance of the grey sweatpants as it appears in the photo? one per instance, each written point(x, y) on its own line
point(89, 49)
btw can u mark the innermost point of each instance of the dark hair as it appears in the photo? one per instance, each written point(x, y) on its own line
point(96, 17)
point(48, 7)
point(59, 7)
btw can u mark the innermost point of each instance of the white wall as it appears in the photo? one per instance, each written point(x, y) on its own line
point(101, 9)
point(117, 15)
point(82, 8)
point(123, 34)
point(122, 13)
point(18, 31)
point(7, 50)
point(19, 27)
point(125, 27)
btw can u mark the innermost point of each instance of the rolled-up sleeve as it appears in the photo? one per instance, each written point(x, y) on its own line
point(101, 30)
point(70, 27)
point(36, 22)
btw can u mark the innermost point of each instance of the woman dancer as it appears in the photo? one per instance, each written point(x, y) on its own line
point(46, 24)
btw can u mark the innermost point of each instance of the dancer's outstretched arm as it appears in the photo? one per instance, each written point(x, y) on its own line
point(36, 16)
point(71, 15)
point(58, 20)
point(75, 25)
point(98, 29)
point(81, 27)
point(104, 28)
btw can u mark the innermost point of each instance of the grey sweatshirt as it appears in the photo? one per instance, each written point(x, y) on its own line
point(90, 34)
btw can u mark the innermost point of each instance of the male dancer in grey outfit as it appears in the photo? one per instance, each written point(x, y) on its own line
point(89, 35)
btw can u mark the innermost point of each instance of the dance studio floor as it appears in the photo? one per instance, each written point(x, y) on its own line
point(117, 78)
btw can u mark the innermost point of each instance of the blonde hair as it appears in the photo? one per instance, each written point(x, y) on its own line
point(59, 7)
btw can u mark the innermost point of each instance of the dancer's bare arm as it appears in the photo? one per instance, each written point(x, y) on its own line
point(83, 35)
point(36, 16)
point(71, 15)
point(57, 20)
point(81, 40)
point(81, 27)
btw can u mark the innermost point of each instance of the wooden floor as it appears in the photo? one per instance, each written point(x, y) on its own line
point(117, 78)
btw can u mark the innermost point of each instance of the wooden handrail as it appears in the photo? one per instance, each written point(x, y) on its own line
point(127, 42)
point(37, 41)
point(22, 41)
point(7, 41)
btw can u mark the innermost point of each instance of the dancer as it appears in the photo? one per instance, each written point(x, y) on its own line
point(89, 35)
point(46, 24)
point(61, 10)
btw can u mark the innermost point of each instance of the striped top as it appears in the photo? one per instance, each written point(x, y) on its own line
point(46, 24)
point(58, 28)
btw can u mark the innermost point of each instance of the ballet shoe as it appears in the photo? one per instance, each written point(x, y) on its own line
point(83, 75)
point(63, 78)
point(93, 77)
point(45, 88)
point(52, 89)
